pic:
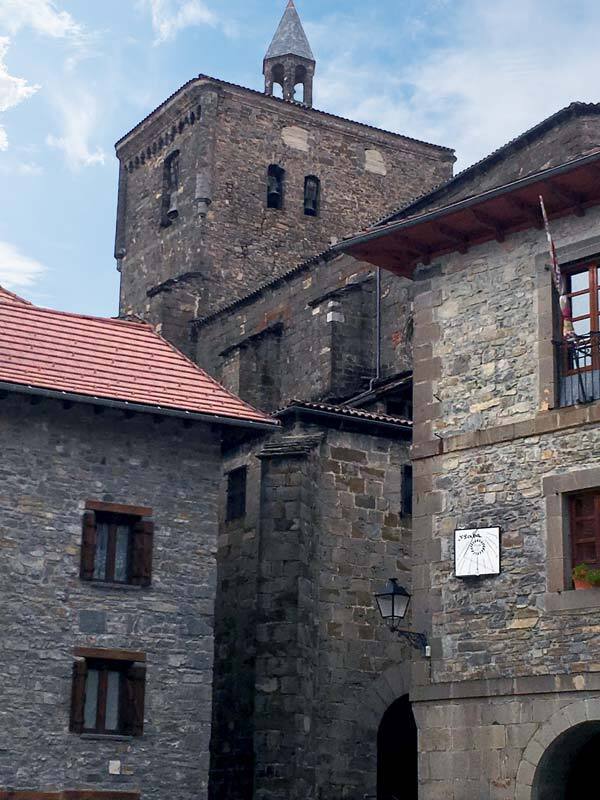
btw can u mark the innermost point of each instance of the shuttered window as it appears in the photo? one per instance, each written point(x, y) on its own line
point(585, 528)
point(108, 697)
point(116, 546)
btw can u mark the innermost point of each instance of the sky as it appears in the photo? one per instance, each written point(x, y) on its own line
point(75, 75)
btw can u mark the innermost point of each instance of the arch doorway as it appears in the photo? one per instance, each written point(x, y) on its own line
point(397, 753)
point(569, 767)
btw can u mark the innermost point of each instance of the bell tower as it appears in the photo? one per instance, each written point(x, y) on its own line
point(289, 62)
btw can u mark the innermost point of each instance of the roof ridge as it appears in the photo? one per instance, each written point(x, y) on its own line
point(6, 293)
point(74, 314)
point(520, 139)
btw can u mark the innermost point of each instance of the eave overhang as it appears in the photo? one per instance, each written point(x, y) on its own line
point(399, 247)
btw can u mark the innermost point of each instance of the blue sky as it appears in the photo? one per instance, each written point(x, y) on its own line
point(75, 75)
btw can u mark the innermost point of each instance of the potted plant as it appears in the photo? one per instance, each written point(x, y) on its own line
point(586, 577)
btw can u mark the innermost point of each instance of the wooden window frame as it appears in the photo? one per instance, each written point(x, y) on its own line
point(236, 496)
point(140, 546)
point(574, 520)
point(131, 700)
point(591, 266)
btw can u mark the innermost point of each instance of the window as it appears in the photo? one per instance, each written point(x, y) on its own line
point(585, 528)
point(275, 186)
point(117, 544)
point(407, 489)
point(579, 359)
point(236, 494)
point(108, 693)
point(170, 211)
point(312, 196)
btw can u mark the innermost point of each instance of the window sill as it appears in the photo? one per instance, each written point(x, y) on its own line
point(106, 737)
point(119, 587)
point(572, 600)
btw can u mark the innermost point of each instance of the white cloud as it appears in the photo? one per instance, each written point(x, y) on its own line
point(79, 115)
point(169, 17)
point(18, 271)
point(41, 15)
point(12, 90)
point(498, 69)
point(25, 168)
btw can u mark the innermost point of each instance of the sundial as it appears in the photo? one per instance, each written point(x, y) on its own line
point(476, 552)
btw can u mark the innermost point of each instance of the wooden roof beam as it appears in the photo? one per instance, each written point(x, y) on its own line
point(424, 253)
point(461, 241)
point(531, 212)
point(574, 199)
point(491, 223)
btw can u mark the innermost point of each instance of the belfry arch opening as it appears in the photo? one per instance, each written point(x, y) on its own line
point(568, 768)
point(397, 753)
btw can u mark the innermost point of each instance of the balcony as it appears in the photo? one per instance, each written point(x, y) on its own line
point(578, 370)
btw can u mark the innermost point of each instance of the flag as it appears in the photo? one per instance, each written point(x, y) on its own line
point(558, 278)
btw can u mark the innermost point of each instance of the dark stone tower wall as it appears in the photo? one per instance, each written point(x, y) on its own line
point(224, 240)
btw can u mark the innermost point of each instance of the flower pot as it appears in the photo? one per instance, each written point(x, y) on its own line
point(581, 584)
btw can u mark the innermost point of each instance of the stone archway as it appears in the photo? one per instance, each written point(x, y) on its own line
point(560, 753)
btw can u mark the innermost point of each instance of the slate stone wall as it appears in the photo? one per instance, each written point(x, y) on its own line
point(323, 532)
point(486, 443)
point(225, 240)
point(323, 316)
point(483, 324)
point(53, 460)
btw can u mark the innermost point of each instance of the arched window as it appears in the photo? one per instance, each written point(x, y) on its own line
point(275, 186)
point(312, 196)
point(300, 84)
point(277, 77)
point(169, 212)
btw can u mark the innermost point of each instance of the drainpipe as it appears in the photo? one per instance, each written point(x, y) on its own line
point(378, 331)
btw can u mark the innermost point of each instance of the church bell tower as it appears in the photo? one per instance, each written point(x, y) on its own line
point(289, 62)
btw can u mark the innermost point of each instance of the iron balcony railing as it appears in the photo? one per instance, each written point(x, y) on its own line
point(578, 369)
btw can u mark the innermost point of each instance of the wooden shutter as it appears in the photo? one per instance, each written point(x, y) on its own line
point(78, 696)
point(88, 545)
point(585, 529)
point(134, 697)
point(143, 545)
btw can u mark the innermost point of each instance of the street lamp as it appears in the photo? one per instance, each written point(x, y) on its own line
point(393, 605)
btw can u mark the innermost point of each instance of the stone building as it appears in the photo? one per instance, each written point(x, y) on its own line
point(222, 188)
point(506, 449)
point(111, 457)
point(230, 205)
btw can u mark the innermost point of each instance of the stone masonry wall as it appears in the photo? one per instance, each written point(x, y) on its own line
point(53, 460)
point(484, 329)
point(304, 654)
point(487, 446)
point(326, 316)
point(225, 240)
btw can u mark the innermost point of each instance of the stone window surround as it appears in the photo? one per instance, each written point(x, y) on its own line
point(556, 488)
point(585, 248)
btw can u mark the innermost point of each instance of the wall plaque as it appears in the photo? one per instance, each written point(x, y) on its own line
point(476, 552)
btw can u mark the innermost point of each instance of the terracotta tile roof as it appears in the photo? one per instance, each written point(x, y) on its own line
point(11, 297)
point(111, 359)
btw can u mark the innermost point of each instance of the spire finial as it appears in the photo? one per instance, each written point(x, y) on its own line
point(289, 60)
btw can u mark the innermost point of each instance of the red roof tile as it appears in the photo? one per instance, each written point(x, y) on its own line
point(11, 297)
point(111, 359)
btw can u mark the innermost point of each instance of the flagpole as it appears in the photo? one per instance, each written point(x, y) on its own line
point(558, 278)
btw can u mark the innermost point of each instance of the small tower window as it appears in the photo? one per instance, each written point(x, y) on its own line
point(170, 211)
point(312, 196)
point(275, 184)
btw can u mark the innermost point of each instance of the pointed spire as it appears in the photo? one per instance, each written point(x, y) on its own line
point(290, 38)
